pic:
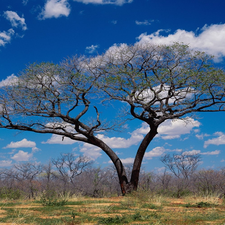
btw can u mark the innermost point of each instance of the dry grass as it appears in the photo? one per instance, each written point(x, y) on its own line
point(138, 208)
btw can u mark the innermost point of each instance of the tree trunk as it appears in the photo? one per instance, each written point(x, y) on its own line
point(139, 158)
point(127, 187)
point(116, 161)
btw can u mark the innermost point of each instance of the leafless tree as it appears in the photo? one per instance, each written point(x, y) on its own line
point(69, 167)
point(26, 174)
point(182, 166)
point(210, 182)
point(158, 83)
point(165, 180)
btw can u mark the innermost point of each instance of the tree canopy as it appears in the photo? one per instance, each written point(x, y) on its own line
point(155, 83)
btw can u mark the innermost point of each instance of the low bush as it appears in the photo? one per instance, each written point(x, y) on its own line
point(50, 198)
point(10, 193)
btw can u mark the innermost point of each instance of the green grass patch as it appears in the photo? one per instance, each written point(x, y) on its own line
point(150, 206)
point(200, 205)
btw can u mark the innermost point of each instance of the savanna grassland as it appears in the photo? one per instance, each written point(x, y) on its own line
point(138, 208)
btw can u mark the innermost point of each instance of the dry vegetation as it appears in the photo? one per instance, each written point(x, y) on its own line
point(138, 208)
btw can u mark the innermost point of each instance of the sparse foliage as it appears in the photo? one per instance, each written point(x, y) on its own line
point(158, 83)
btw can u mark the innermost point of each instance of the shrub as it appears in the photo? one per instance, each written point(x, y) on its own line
point(10, 193)
point(50, 198)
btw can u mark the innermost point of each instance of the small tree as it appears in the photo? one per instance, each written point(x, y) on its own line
point(26, 175)
point(69, 167)
point(182, 166)
point(158, 83)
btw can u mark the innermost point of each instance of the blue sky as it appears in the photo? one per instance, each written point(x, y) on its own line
point(51, 30)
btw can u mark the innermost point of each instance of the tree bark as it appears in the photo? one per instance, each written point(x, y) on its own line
point(116, 161)
point(139, 158)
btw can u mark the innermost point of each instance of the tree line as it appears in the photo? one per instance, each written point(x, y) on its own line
point(70, 175)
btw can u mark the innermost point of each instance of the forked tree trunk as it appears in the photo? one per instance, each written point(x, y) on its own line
point(125, 185)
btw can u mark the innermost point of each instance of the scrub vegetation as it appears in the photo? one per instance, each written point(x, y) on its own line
point(39, 194)
point(141, 207)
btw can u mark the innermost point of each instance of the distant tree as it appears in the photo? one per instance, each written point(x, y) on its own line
point(69, 166)
point(158, 83)
point(26, 174)
point(182, 166)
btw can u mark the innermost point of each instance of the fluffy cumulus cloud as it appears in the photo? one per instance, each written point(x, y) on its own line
point(220, 140)
point(119, 142)
point(155, 152)
point(22, 156)
point(9, 81)
point(58, 139)
point(23, 144)
point(55, 9)
point(171, 129)
point(6, 36)
point(210, 39)
point(15, 19)
point(91, 151)
point(104, 2)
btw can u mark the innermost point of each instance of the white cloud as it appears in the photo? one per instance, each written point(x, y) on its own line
point(216, 152)
point(5, 163)
point(58, 139)
point(5, 36)
point(119, 142)
point(201, 136)
point(125, 161)
point(193, 152)
point(145, 22)
point(92, 48)
point(210, 40)
point(158, 151)
point(104, 2)
point(9, 81)
point(55, 9)
point(15, 19)
point(128, 161)
point(23, 144)
point(216, 141)
point(91, 151)
point(147, 95)
point(22, 156)
point(171, 129)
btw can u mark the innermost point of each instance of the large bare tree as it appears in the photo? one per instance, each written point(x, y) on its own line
point(156, 83)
